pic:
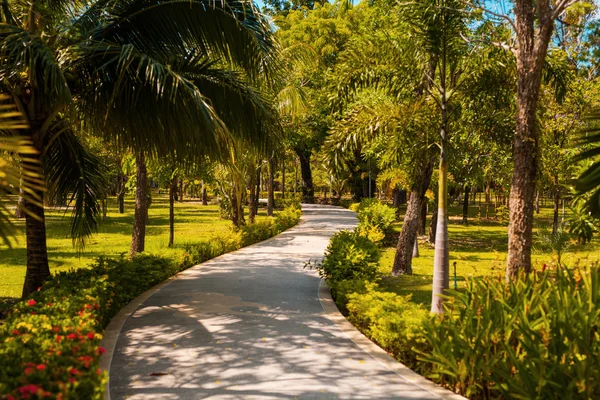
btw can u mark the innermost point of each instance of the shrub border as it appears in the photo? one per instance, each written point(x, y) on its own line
point(380, 355)
point(112, 332)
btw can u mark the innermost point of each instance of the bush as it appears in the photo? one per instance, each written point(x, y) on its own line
point(349, 256)
point(291, 200)
point(391, 320)
point(536, 338)
point(51, 342)
point(340, 291)
point(354, 207)
point(287, 218)
point(374, 213)
point(502, 213)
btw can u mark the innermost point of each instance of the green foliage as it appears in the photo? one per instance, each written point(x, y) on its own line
point(262, 230)
point(391, 320)
point(373, 213)
point(349, 256)
point(354, 207)
point(582, 224)
point(502, 213)
point(556, 243)
point(535, 338)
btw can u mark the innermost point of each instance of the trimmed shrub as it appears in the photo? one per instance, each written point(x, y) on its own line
point(390, 320)
point(349, 256)
point(374, 213)
point(287, 218)
point(536, 338)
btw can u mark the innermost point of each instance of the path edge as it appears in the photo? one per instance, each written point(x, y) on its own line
point(333, 313)
point(111, 334)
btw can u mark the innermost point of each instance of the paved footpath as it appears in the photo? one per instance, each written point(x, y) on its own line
point(250, 325)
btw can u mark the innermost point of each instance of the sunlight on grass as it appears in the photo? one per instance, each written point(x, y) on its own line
point(478, 249)
point(193, 223)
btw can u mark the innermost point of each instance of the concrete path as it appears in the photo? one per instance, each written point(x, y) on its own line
point(249, 325)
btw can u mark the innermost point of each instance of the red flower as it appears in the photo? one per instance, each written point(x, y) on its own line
point(72, 380)
point(15, 332)
point(71, 336)
point(74, 371)
point(58, 338)
point(101, 350)
point(88, 306)
point(31, 302)
point(99, 371)
point(29, 370)
point(90, 335)
point(41, 367)
point(28, 390)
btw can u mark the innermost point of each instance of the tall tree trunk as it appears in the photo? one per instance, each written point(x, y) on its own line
point(533, 40)
point(415, 253)
point(441, 274)
point(204, 195)
point(408, 235)
point(396, 198)
point(283, 178)
point(432, 227)
point(141, 207)
point(308, 191)
point(121, 192)
point(251, 199)
point(180, 182)
point(172, 194)
point(422, 217)
point(556, 199)
point(38, 270)
point(19, 211)
point(257, 195)
point(271, 187)
point(465, 217)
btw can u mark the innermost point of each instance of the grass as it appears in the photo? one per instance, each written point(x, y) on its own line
point(477, 249)
point(193, 222)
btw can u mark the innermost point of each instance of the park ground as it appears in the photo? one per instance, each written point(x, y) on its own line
point(478, 248)
point(193, 223)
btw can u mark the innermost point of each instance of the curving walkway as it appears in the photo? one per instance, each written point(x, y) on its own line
point(250, 325)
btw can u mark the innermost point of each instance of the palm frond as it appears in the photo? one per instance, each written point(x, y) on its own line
point(73, 173)
point(233, 30)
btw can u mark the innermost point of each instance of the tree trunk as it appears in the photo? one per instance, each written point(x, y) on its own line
point(204, 196)
point(422, 217)
point(19, 211)
point(537, 201)
point(308, 191)
point(121, 192)
point(416, 249)
point(432, 227)
point(104, 207)
point(406, 241)
point(465, 217)
point(441, 274)
point(252, 198)
point(396, 198)
point(38, 270)
point(533, 40)
point(180, 190)
point(141, 207)
point(270, 187)
point(172, 194)
point(556, 199)
point(283, 179)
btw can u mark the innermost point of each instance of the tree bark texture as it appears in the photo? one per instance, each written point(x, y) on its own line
point(19, 211)
point(271, 187)
point(283, 178)
point(532, 40)
point(204, 196)
point(140, 217)
point(465, 210)
point(423, 217)
point(172, 194)
point(432, 227)
point(556, 200)
point(308, 190)
point(38, 270)
point(408, 235)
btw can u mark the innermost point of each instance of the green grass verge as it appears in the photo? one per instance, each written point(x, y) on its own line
point(478, 249)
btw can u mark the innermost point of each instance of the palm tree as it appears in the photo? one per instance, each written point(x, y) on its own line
point(127, 70)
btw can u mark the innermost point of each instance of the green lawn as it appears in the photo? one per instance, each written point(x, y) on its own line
point(193, 222)
point(479, 248)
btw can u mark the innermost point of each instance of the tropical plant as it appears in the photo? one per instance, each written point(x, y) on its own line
point(582, 224)
point(179, 88)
